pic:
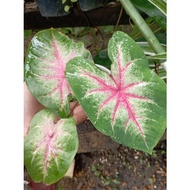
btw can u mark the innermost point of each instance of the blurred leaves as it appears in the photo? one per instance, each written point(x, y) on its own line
point(160, 4)
point(152, 11)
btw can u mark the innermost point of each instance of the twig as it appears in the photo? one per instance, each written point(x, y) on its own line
point(118, 20)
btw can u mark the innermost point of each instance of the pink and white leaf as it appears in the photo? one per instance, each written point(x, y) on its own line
point(129, 105)
point(49, 147)
point(46, 59)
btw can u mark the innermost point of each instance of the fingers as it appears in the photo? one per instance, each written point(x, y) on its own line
point(32, 106)
point(77, 112)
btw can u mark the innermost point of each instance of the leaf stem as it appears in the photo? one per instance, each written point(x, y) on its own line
point(143, 26)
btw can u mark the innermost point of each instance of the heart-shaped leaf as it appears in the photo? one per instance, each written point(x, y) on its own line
point(46, 59)
point(49, 148)
point(130, 104)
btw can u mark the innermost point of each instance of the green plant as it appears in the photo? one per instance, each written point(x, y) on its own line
point(67, 4)
point(156, 10)
point(128, 103)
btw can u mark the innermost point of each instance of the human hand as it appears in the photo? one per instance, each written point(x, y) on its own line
point(32, 106)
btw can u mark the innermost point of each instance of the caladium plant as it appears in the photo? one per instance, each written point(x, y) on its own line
point(128, 103)
point(49, 147)
point(45, 63)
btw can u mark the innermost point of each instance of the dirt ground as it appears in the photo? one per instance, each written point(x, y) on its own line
point(119, 168)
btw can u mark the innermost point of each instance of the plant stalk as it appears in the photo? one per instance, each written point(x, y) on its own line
point(143, 27)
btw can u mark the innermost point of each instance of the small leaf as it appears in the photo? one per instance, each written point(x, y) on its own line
point(129, 105)
point(49, 148)
point(116, 181)
point(63, 1)
point(46, 59)
point(66, 8)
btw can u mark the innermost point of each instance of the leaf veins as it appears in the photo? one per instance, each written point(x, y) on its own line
point(119, 93)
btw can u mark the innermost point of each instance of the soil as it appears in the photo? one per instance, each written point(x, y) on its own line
point(118, 168)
